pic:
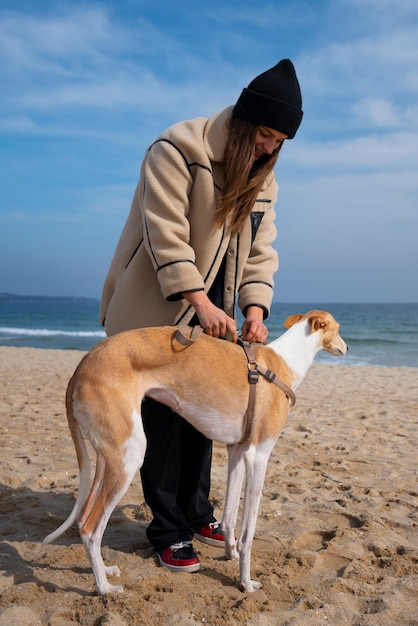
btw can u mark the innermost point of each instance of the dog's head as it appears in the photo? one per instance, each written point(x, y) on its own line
point(324, 323)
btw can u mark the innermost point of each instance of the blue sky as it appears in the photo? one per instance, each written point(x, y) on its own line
point(86, 86)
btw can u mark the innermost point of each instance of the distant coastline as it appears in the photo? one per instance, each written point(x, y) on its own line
point(11, 297)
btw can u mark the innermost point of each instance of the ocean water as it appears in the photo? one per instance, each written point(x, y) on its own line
point(64, 323)
point(377, 334)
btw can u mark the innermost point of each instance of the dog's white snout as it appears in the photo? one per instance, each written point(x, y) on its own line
point(343, 347)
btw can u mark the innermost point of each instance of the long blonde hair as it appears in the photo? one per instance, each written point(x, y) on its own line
point(243, 176)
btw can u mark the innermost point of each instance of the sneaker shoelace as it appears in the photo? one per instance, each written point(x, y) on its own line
point(180, 544)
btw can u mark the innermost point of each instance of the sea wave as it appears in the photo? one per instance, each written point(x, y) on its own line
point(46, 332)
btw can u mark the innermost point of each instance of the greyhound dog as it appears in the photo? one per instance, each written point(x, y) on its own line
point(207, 382)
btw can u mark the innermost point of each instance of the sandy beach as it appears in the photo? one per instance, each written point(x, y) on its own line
point(337, 532)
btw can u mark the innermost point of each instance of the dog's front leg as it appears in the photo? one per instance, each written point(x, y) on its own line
point(256, 459)
point(236, 469)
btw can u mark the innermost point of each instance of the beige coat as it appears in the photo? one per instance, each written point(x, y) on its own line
point(169, 244)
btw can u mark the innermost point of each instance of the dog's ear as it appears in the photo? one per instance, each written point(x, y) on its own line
point(292, 319)
point(317, 323)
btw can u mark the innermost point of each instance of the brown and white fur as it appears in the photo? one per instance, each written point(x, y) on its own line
point(207, 383)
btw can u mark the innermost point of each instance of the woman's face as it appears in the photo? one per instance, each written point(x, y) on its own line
point(266, 141)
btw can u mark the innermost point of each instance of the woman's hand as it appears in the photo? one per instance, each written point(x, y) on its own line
point(214, 321)
point(253, 329)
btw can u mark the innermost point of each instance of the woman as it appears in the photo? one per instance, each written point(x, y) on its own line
point(197, 242)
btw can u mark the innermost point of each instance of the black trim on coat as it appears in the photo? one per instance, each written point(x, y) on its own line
point(134, 253)
point(256, 282)
point(161, 267)
point(188, 165)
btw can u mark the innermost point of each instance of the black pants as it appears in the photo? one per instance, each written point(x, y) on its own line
point(175, 476)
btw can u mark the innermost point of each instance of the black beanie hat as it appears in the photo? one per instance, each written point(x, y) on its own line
point(273, 99)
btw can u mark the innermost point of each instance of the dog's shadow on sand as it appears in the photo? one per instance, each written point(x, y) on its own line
point(27, 516)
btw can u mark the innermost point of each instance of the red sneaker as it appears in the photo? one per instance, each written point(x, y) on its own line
point(180, 557)
point(213, 535)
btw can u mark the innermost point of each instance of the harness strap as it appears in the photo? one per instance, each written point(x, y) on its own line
point(183, 332)
point(186, 335)
point(254, 369)
point(272, 378)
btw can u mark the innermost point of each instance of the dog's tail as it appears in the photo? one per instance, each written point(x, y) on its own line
point(84, 467)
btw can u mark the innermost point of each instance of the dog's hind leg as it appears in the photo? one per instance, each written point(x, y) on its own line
point(236, 469)
point(120, 466)
point(94, 489)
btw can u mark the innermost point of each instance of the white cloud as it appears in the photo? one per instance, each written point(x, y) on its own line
point(30, 41)
point(366, 81)
point(21, 124)
point(370, 153)
point(378, 112)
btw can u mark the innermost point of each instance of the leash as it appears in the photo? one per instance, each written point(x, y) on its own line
point(254, 369)
point(187, 335)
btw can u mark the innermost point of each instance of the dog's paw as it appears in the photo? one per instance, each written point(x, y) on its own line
point(108, 588)
point(235, 555)
point(112, 570)
point(231, 553)
point(250, 586)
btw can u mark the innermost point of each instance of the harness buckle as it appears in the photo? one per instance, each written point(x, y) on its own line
point(271, 376)
point(253, 376)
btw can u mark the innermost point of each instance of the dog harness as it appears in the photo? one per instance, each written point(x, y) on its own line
point(186, 335)
point(254, 369)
